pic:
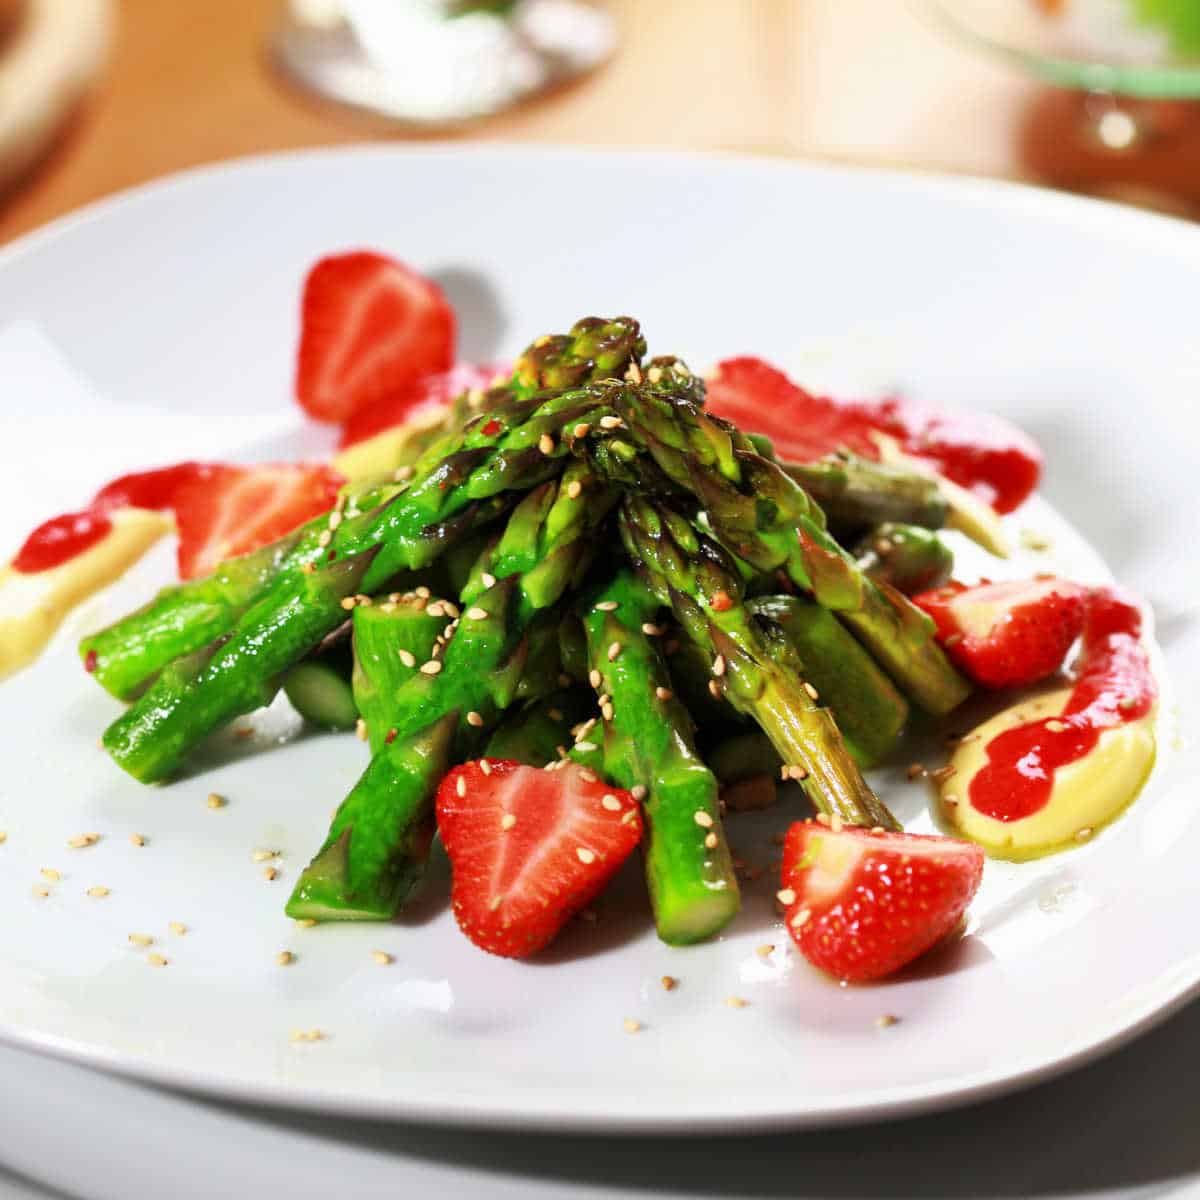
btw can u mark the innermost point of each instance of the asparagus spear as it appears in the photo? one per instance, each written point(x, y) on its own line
point(696, 577)
point(534, 733)
point(759, 514)
point(320, 689)
point(908, 558)
point(856, 493)
point(375, 849)
point(648, 740)
point(870, 712)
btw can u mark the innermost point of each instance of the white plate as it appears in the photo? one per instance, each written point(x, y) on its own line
point(1075, 318)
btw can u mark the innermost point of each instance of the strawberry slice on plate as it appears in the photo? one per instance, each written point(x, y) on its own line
point(1007, 634)
point(529, 848)
point(980, 452)
point(234, 510)
point(861, 904)
point(369, 326)
point(426, 394)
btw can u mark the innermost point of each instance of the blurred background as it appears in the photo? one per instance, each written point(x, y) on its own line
point(1092, 95)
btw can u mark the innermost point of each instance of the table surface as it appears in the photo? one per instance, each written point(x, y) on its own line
point(189, 84)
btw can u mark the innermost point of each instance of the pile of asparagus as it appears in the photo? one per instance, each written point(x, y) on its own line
point(582, 564)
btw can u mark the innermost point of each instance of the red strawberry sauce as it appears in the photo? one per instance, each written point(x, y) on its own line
point(60, 539)
point(1114, 686)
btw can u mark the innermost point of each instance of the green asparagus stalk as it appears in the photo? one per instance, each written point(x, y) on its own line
point(648, 742)
point(535, 733)
point(870, 712)
point(320, 689)
point(697, 579)
point(909, 558)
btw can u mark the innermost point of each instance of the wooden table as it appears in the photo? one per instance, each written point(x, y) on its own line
point(853, 80)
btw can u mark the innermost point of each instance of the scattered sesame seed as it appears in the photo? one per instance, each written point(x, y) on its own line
point(714, 689)
point(950, 800)
point(423, 592)
point(460, 786)
point(474, 719)
point(638, 791)
point(270, 873)
point(703, 819)
point(836, 823)
point(177, 927)
point(654, 374)
point(669, 983)
point(585, 855)
point(41, 892)
point(629, 816)
point(630, 1025)
point(801, 918)
point(508, 821)
point(1032, 540)
point(360, 729)
point(765, 950)
point(586, 747)
point(581, 430)
point(263, 855)
point(1056, 726)
point(435, 609)
point(84, 839)
point(382, 957)
point(348, 603)
point(51, 874)
point(285, 958)
point(813, 694)
point(403, 473)
point(607, 606)
point(609, 801)
point(485, 766)
point(307, 1035)
point(876, 829)
point(664, 693)
point(3, 837)
point(406, 657)
point(155, 960)
point(495, 903)
point(606, 711)
point(1083, 834)
point(611, 422)
point(823, 819)
point(98, 892)
point(215, 800)
point(710, 841)
point(546, 444)
point(306, 922)
point(650, 629)
point(718, 666)
point(634, 373)
point(736, 1002)
point(450, 608)
point(488, 579)
point(797, 772)
point(325, 538)
point(595, 678)
point(613, 651)
point(137, 839)
point(141, 939)
point(786, 896)
point(475, 613)
point(942, 773)
point(432, 667)
point(915, 771)
point(886, 1021)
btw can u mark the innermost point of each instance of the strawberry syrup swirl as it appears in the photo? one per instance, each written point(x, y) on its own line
point(1114, 686)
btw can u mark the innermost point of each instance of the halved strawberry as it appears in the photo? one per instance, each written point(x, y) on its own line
point(529, 848)
point(234, 510)
point(861, 905)
point(1007, 634)
point(370, 325)
point(983, 453)
point(414, 399)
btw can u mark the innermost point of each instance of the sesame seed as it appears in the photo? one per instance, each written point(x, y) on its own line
point(215, 800)
point(178, 928)
point(718, 666)
point(84, 839)
point(41, 892)
point(650, 629)
point(137, 839)
point(308, 1035)
point(1084, 834)
point(786, 896)
point(581, 430)
point(823, 819)
point(915, 771)
point(270, 873)
point(586, 747)
point(382, 957)
point(950, 800)
point(942, 773)
point(886, 1021)
point(423, 592)
point(797, 772)
point(141, 939)
point(485, 766)
point(450, 608)
point(654, 374)
point(432, 667)
point(595, 678)
point(263, 855)
point(546, 444)
point(495, 903)
point(606, 711)
point(630, 1025)
point(508, 821)
point(669, 983)
point(607, 606)
point(325, 538)
point(574, 489)
point(801, 919)
point(613, 651)
point(664, 693)
point(360, 729)
point(710, 841)
point(435, 609)
point(306, 922)
point(406, 657)
point(403, 473)
point(874, 829)
point(488, 579)
point(714, 689)
point(97, 892)
point(609, 801)
point(585, 855)
point(285, 958)
point(460, 786)
point(1056, 726)
point(3, 837)
point(51, 874)
point(703, 819)
point(349, 602)
point(736, 1002)
point(953, 639)
point(611, 422)
point(765, 950)
point(836, 823)
point(634, 373)
point(813, 694)
point(638, 791)
point(474, 719)
point(155, 960)
point(475, 613)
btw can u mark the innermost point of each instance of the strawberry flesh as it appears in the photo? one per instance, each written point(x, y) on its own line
point(529, 848)
point(1007, 634)
point(868, 903)
point(234, 510)
point(370, 326)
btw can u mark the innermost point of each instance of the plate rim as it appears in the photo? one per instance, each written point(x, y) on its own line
point(1101, 218)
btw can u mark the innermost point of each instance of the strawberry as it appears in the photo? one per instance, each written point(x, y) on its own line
point(1007, 634)
point(529, 848)
point(369, 326)
point(861, 904)
point(233, 510)
point(415, 399)
point(982, 453)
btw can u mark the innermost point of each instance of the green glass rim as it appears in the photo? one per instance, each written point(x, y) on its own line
point(1166, 81)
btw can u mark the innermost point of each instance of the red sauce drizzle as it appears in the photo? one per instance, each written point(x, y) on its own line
point(1114, 685)
point(60, 539)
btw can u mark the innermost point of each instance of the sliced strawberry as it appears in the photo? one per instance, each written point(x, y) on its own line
point(529, 848)
point(1007, 634)
point(982, 453)
point(415, 399)
point(861, 905)
point(370, 326)
point(233, 510)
